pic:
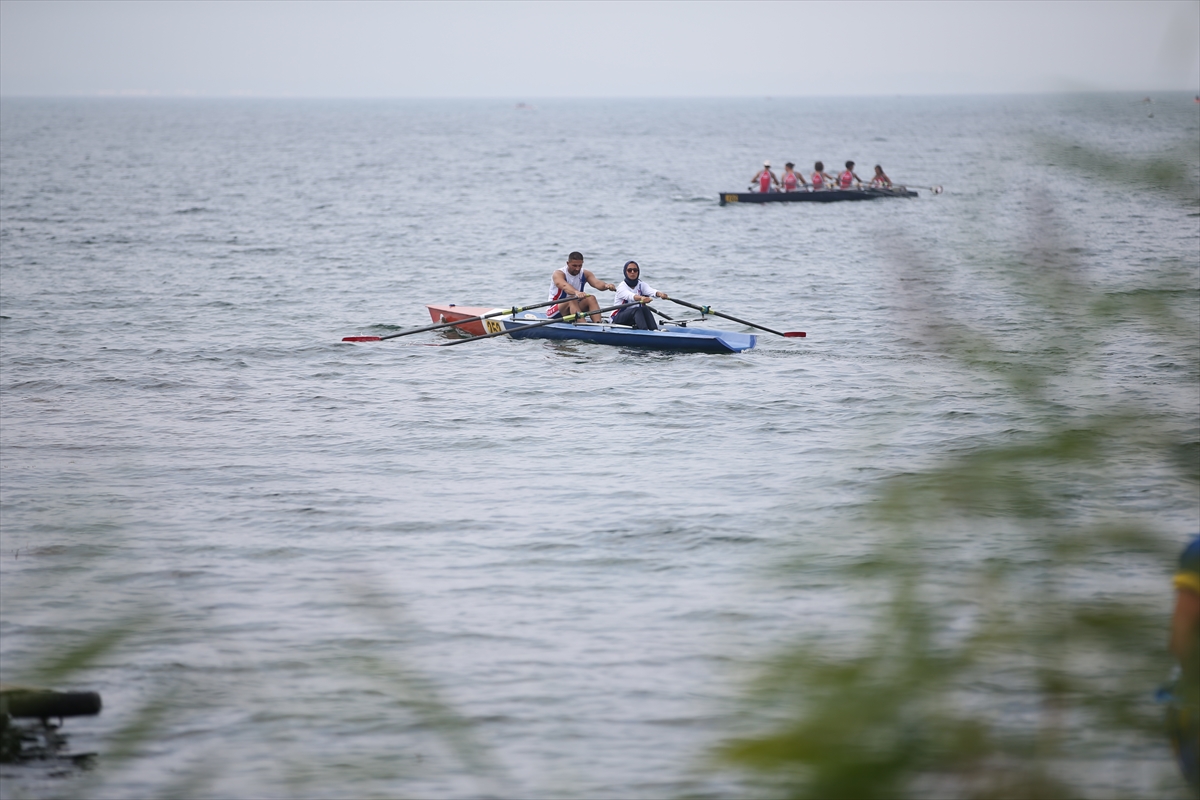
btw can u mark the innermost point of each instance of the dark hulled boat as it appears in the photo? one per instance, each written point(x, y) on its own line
point(821, 196)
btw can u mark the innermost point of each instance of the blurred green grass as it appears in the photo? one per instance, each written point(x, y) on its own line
point(1001, 677)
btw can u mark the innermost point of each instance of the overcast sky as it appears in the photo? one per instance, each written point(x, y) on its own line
point(594, 49)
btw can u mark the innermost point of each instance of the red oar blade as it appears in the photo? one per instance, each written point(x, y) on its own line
point(795, 334)
point(360, 338)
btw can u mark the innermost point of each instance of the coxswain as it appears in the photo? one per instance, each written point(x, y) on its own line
point(819, 177)
point(567, 284)
point(764, 178)
point(880, 181)
point(791, 181)
point(848, 177)
point(633, 294)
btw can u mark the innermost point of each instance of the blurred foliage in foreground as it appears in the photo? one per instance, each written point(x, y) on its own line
point(400, 703)
point(994, 666)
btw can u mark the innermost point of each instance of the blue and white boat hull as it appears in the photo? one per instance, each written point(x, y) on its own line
point(670, 337)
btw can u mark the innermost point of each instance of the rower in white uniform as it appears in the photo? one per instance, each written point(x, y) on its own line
point(632, 294)
point(567, 284)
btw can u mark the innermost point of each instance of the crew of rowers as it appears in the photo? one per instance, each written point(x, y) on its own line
point(793, 181)
point(568, 285)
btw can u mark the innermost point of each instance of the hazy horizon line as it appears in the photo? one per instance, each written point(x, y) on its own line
point(145, 94)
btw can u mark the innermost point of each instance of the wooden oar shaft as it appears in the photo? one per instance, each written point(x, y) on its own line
point(708, 310)
point(500, 313)
point(524, 327)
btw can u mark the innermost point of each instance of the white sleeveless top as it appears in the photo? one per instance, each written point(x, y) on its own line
point(558, 294)
point(574, 280)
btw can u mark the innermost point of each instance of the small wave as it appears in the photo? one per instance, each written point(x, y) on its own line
point(35, 384)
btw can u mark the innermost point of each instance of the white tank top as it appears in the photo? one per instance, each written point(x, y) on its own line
point(574, 280)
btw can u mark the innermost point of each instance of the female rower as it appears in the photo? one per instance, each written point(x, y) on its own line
point(880, 181)
point(819, 178)
point(790, 179)
point(764, 178)
point(848, 177)
point(632, 293)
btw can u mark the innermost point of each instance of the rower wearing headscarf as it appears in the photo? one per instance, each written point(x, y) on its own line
point(633, 293)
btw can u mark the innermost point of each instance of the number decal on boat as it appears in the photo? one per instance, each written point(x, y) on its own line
point(731, 198)
point(492, 326)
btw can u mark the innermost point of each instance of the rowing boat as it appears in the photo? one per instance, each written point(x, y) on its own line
point(821, 196)
point(452, 313)
point(670, 337)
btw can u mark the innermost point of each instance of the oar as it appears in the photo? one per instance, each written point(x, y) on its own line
point(513, 311)
point(564, 318)
point(708, 310)
point(662, 314)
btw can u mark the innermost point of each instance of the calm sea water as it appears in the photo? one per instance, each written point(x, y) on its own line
point(329, 552)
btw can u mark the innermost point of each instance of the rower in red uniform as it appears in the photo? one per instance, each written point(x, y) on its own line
point(848, 177)
point(792, 181)
point(819, 177)
point(880, 180)
point(764, 178)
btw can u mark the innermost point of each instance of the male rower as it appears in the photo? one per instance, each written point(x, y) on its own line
point(567, 285)
point(791, 181)
point(848, 177)
point(764, 178)
point(819, 176)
